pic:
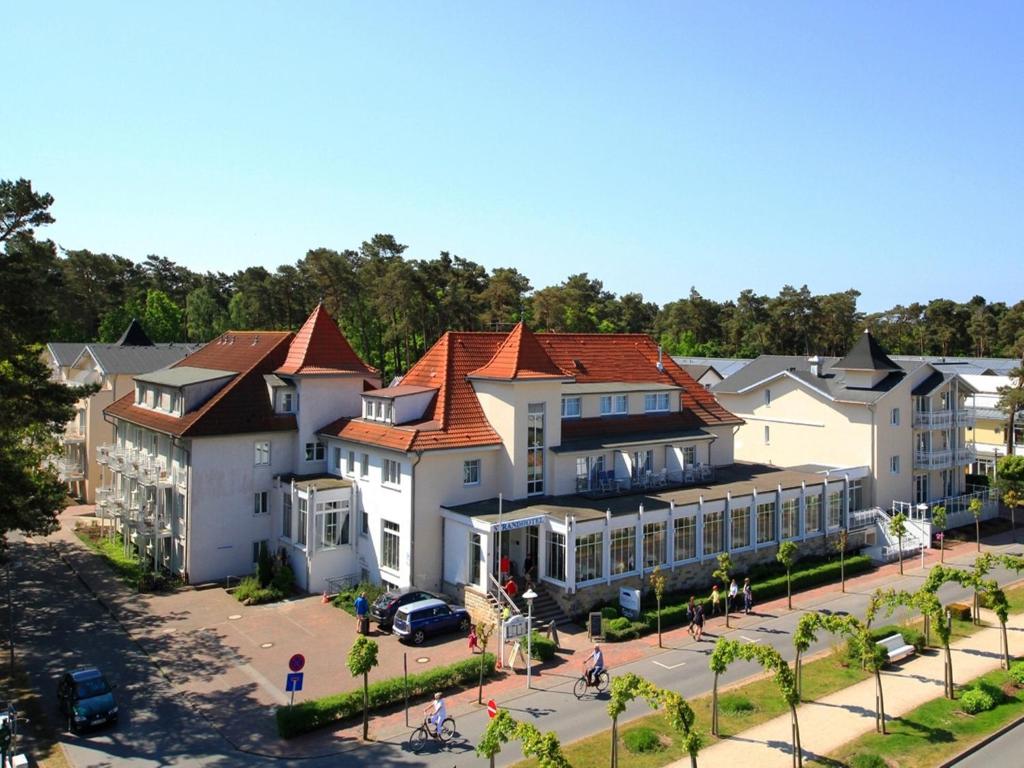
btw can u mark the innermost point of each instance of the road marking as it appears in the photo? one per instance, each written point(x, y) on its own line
point(751, 639)
point(674, 666)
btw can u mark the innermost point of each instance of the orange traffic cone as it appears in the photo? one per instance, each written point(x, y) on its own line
point(325, 599)
point(497, 664)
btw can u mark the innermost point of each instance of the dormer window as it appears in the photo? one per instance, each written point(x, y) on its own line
point(656, 403)
point(376, 409)
point(571, 408)
point(287, 402)
point(614, 405)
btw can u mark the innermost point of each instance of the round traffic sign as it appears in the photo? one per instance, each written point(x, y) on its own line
point(492, 708)
point(296, 662)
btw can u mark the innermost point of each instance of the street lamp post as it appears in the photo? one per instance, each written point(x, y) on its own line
point(529, 596)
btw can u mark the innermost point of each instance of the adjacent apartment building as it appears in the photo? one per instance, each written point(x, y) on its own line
point(111, 367)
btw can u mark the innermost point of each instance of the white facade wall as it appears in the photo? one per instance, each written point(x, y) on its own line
point(321, 400)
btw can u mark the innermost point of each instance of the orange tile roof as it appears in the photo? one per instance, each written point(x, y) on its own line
point(455, 419)
point(321, 347)
point(241, 405)
point(519, 357)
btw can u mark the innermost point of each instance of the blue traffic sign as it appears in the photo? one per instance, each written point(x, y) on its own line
point(294, 682)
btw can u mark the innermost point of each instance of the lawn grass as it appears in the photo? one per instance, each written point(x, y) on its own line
point(127, 567)
point(934, 732)
point(821, 677)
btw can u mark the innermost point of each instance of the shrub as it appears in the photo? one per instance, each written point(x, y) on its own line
point(975, 700)
point(1017, 673)
point(620, 624)
point(624, 629)
point(307, 716)
point(609, 613)
point(642, 740)
point(265, 567)
point(283, 580)
point(734, 704)
point(868, 760)
point(541, 647)
point(250, 592)
point(959, 611)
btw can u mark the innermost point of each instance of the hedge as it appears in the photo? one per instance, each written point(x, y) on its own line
point(674, 615)
point(307, 716)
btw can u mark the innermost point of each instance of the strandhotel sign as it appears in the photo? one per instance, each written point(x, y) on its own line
point(525, 522)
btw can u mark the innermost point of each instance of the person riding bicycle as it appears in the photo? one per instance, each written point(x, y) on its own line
point(436, 713)
point(596, 668)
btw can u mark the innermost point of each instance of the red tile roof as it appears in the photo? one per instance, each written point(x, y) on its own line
point(241, 405)
point(320, 347)
point(519, 357)
point(455, 419)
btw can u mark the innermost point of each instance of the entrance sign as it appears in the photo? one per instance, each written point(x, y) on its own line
point(629, 602)
point(515, 627)
point(526, 522)
point(594, 625)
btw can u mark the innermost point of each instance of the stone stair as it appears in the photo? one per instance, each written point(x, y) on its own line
point(545, 609)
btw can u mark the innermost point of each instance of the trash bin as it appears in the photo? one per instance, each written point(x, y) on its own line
point(364, 625)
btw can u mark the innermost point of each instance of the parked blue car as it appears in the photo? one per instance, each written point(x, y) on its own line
point(418, 621)
point(86, 699)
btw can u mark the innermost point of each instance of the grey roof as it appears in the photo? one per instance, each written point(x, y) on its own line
point(630, 439)
point(134, 336)
point(273, 380)
point(726, 366)
point(696, 370)
point(183, 375)
point(1000, 366)
point(65, 352)
point(937, 379)
point(993, 414)
point(866, 355)
point(832, 380)
point(115, 358)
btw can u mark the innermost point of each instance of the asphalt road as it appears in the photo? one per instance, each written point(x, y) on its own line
point(1004, 751)
point(60, 624)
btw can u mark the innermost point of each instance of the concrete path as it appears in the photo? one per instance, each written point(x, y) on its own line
point(831, 722)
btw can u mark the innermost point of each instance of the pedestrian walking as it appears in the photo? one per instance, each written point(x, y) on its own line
point(698, 622)
point(691, 614)
point(734, 593)
point(362, 614)
point(474, 642)
point(748, 596)
point(716, 599)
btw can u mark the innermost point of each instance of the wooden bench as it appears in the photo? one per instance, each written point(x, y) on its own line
point(895, 647)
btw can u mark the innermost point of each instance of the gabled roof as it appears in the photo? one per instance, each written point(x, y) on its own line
point(866, 355)
point(519, 357)
point(240, 406)
point(696, 371)
point(65, 352)
point(134, 336)
point(130, 360)
point(320, 348)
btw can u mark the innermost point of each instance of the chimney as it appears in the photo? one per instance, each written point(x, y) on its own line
point(815, 362)
point(661, 365)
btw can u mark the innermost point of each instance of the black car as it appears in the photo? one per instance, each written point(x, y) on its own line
point(86, 699)
point(383, 609)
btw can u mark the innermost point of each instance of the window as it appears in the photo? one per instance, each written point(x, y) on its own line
point(262, 450)
point(350, 467)
point(654, 544)
point(739, 527)
point(173, 407)
point(790, 521)
point(714, 533)
point(643, 464)
point(303, 521)
point(767, 398)
point(364, 466)
point(336, 459)
point(767, 435)
point(835, 509)
point(391, 472)
point(389, 545)
point(259, 548)
point(535, 449)
point(554, 568)
point(365, 529)
point(286, 516)
point(656, 403)
point(614, 405)
point(261, 503)
point(766, 522)
point(588, 472)
point(367, 409)
point(571, 407)
point(476, 555)
point(685, 538)
point(471, 472)
point(812, 513)
point(689, 455)
point(287, 402)
point(856, 496)
point(590, 557)
point(920, 489)
point(894, 417)
point(315, 451)
point(327, 524)
point(894, 465)
point(623, 550)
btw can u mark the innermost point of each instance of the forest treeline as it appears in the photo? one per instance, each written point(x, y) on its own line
point(392, 308)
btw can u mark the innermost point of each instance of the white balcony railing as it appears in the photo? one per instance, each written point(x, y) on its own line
point(967, 454)
point(73, 434)
point(946, 419)
point(70, 469)
point(965, 418)
point(103, 453)
point(928, 459)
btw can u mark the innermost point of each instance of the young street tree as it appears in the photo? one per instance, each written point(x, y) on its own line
point(939, 521)
point(484, 630)
point(723, 574)
point(840, 543)
point(787, 556)
point(975, 508)
point(658, 581)
point(1010, 474)
point(361, 659)
point(898, 528)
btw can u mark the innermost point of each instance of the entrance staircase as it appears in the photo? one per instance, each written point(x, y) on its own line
point(545, 609)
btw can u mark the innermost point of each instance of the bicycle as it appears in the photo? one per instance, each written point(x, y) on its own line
point(424, 733)
point(601, 681)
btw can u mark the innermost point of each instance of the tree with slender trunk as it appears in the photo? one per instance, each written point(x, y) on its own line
point(898, 528)
point(975, 509)
point(1010, 481)
point(681, 717)
point(939, 521)
point(658, 582)
point(361, 659)
point(841, 541)
point(724, 653)
point(806, 633)
point(1012, 500)
point(787, 555)
point(484, 629)
point(503, 728)
point(723, 574)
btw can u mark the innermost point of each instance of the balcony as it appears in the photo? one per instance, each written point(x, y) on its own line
point(69, 469)
point(967, 454)
point(73, 435)
point(933, 459)
point(103, 453)
point(153, 473)
point(965, 418)
point(946, 419)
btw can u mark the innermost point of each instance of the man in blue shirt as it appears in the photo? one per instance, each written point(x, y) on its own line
point(362, 611)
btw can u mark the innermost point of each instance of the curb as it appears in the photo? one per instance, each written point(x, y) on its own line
point(983, 743)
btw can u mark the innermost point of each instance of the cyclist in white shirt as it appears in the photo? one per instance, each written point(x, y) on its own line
point(436, 712)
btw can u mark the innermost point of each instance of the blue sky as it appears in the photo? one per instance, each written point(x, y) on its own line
point(655, 146)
